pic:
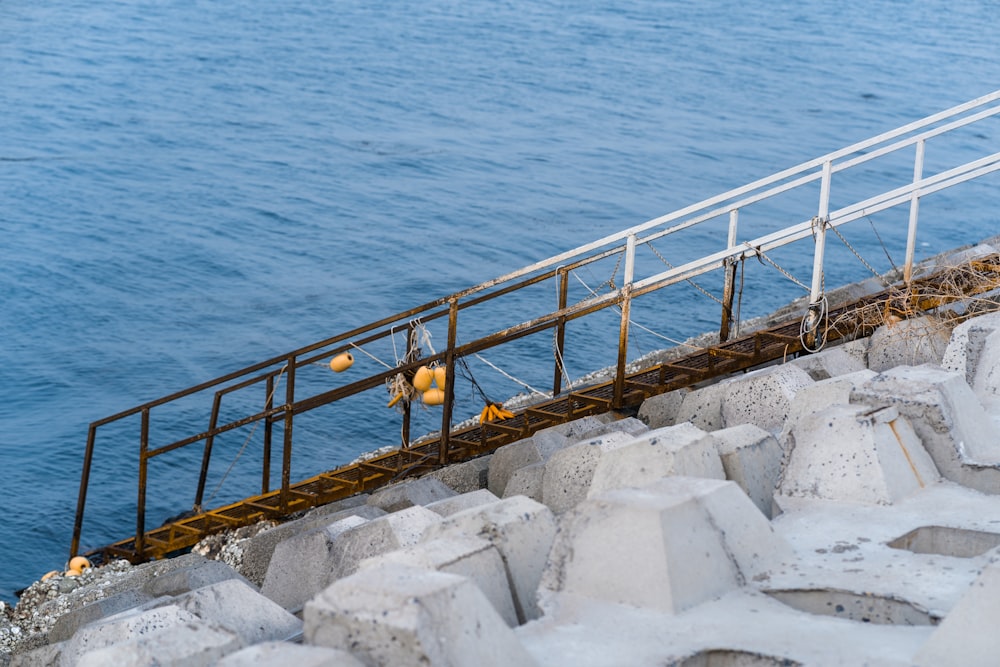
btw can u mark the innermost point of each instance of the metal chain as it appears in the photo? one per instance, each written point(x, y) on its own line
point(692, 283)
point(868, 266)
point(760, 255)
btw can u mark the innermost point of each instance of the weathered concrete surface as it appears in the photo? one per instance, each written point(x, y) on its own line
point(284, 654)
point(394, 615)
point(129, 626)
point(662, 410)
point(526, 481)
point(466, 476)
point(470, 557)
point(851, 453)
point(635, 546)
point(240, 609)
point(968, 636)
point(921, 340)
point(196, 644)
point(751, 457)
point(763, 397)
point(412, 492)
point(569, 472)
point(821, 395)
point(964, 352)
point(522, 530)
point(67, 624)
point(683, 450)
point(833, 361)
point(947, 417)
point(463, 501)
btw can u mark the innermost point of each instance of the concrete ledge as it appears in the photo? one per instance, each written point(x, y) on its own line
point(877, 458)
point(522, 531)
point(394, 615)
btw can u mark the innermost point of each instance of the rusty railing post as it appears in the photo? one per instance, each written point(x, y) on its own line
point(213, 421)
point(560, 333)
point(411, 346)
point(265, 472)
point(729, 284)
point(88, 457)
point(286, 453)
point(449, 381)
point(140, 512)
point(626, 307)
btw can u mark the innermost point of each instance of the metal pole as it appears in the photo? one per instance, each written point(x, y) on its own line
point(88, 457)
point(286, 454)
point(626, 306)
point(815, 313)
point(140, 512)
point(411, 345)
point(213, 421)
point(729, 286)
point(265, 473)
point(449, 382)
point(560, 341)
point(911, 233)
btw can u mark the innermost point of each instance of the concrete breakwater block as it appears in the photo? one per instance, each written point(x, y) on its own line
point(259, 549)
point(470, 557)
point(965, 347)
point(751, 457)
point(195, 644)
point(283, 654)
point(195, 575)
point(821, 395)
point(463, 501)
point(395, 615)
point(967, 636)
point(67, 624)
point(661, 410)
point(412, 492)
point(947, 417)
point(522, 531)
point(920, 340)
point(667, 546)
point(569, 472)
point(763, 397)
point(240, 609)
point(683, 449)
point(834, 361)
point(465, 476)
point(538, 448)
point(307, 563)
point(526, 481)
point(128, 626)
point(855, 454)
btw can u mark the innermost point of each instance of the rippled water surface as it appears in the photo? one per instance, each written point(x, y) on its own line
point(189, 187)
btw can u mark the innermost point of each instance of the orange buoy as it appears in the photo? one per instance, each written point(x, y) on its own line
point(434, 396)
point(49, 575)
point(341, 362)
point(423, 378)
point(73, 573)
point(79, 563)
point(440, 373)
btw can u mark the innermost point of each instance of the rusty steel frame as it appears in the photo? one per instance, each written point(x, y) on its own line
point(619, 394)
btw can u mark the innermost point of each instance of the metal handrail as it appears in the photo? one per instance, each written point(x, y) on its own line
point(625, 244)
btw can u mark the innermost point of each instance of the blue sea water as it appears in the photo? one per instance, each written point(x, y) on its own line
point(189, 187)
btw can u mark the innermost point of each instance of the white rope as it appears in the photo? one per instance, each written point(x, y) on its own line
point(509, 376)
point(362, 350)
point(424, 336)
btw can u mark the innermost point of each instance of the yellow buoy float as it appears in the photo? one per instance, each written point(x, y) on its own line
point(79, 563)
point(440, 373)
point(433, 396)
point(341, 362)
point(423, 379)
point(49, 575)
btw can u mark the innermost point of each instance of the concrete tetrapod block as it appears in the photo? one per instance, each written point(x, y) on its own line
point(301, 564)
point(703, 407)
point(763, 397)
point(67, 624)
point(965, 347)
point(661, 410)
point(463, 501)
point(194, 576)
point(830, 363)
point(395, 615)
point(190, 644)
point(412, 492)
point(258, 550)
point(751, 457)
point(283, 654)
point(526, 481)
point(667, 546)
point(821, 395)
point(522, 530)
point(947, 417)
point(471, 557)
point(968, 634)
point(240, 609)
point(683, 449)
point(124, 627)
point(569, 472)
point(854, 454)
point(920, 340)
point(465, 476)
point(388, 533)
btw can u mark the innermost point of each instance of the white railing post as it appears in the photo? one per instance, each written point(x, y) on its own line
point(911, 232)
point(626, 305)
point(815, 314)
point(729, 286)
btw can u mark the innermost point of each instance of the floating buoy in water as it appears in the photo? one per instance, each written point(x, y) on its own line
point(79, 563)
point(440, 373)
point(434, 396)
point(422, 379)
point(49, 575)
point(341, 362)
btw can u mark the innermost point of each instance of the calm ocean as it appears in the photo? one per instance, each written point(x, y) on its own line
point(187, 187)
